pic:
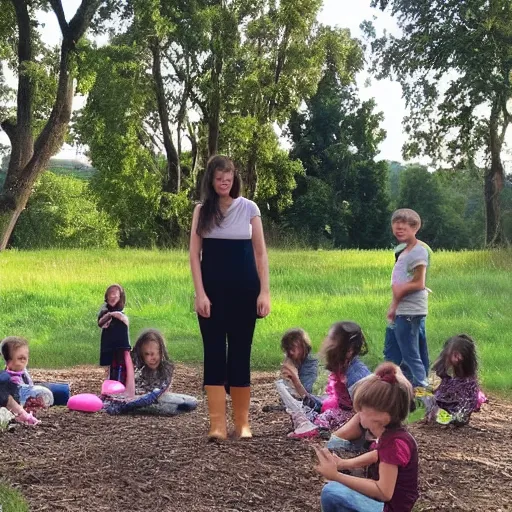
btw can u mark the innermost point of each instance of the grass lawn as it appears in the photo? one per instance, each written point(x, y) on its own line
point(11, 500)
point(52, 298)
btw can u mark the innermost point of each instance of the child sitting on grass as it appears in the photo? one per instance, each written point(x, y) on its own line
point(459, 394)
point(382, 402)
point(153, 373)
point(18, 385)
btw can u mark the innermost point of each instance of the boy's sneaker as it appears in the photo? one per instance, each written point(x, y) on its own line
point(26, 418)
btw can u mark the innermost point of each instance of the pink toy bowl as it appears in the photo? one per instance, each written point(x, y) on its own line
point(85, 402)
point(112, 387)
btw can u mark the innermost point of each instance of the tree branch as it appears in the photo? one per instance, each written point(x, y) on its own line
point(9, 128)
point(59, 12)
point(51, 137)
point(82, 19)
point(22, 140)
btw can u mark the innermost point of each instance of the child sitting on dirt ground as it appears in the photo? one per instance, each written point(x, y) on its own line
point(17, 384)
point(344, 343)
point(153, 372)
point(458, 395)
point(382, 402)
point(299, 369)
point(7, 391)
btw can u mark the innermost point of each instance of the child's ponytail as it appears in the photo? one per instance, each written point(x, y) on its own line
point(387, 390)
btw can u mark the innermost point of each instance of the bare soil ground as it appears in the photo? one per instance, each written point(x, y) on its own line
point(94, 462)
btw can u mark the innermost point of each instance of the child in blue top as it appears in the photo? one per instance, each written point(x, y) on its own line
point(300, 367)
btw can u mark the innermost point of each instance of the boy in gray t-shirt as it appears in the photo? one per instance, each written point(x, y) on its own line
point(409, 305)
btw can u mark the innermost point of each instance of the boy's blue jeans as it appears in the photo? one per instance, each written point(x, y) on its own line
point(337, 497)
point(405, 344)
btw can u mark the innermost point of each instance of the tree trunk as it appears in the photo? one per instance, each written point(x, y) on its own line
point(29, 159)
point(494, 181)
point(172, 183)
point(493, 185)
point(215, 98)
point(251, 176)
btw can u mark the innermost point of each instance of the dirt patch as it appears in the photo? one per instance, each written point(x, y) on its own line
point(76, 462)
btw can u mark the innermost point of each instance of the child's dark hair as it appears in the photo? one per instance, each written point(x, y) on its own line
point(296, 336)
point(465, 346)
point(343, 338)
point(122, 297)
point(387, 390)
point(165, 368)
point(10, 344)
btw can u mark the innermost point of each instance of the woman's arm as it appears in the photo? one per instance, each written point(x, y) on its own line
point(201, 301)
point(260, 254)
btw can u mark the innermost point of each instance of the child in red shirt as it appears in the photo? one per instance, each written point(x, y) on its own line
point(383, 402)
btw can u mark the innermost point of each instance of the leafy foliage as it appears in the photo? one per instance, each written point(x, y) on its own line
point(337, 140)
point(454, 62)
point(63, 212)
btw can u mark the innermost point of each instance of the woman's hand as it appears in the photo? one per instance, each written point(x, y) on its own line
point(263, 304)
point(202, 305)
point(327, 463)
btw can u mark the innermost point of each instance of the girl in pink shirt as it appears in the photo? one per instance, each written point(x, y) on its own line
point(383, 402)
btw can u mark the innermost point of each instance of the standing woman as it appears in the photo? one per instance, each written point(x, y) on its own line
point(229, 264)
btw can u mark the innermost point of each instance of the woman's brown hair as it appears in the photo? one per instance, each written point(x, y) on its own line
point(387, 390)
point(210, 213)
point(343, 338)
point(296, 336)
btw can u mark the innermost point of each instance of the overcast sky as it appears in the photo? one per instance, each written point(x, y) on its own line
point(341, 13)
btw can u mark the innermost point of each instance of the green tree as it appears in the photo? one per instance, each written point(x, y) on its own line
point(37, 128)
point(468, 46)
point(337, 139)
point(63, 212)
point(443, 222)
point(114, 126)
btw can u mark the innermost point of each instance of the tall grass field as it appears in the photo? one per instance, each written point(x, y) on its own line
point(53, 297)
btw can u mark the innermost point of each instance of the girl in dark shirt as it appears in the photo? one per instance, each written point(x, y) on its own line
point(382, 401)
point(115, 344)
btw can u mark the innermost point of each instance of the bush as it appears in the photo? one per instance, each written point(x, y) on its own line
point(62, 212)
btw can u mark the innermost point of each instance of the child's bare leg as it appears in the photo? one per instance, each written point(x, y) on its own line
point(130, 375)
